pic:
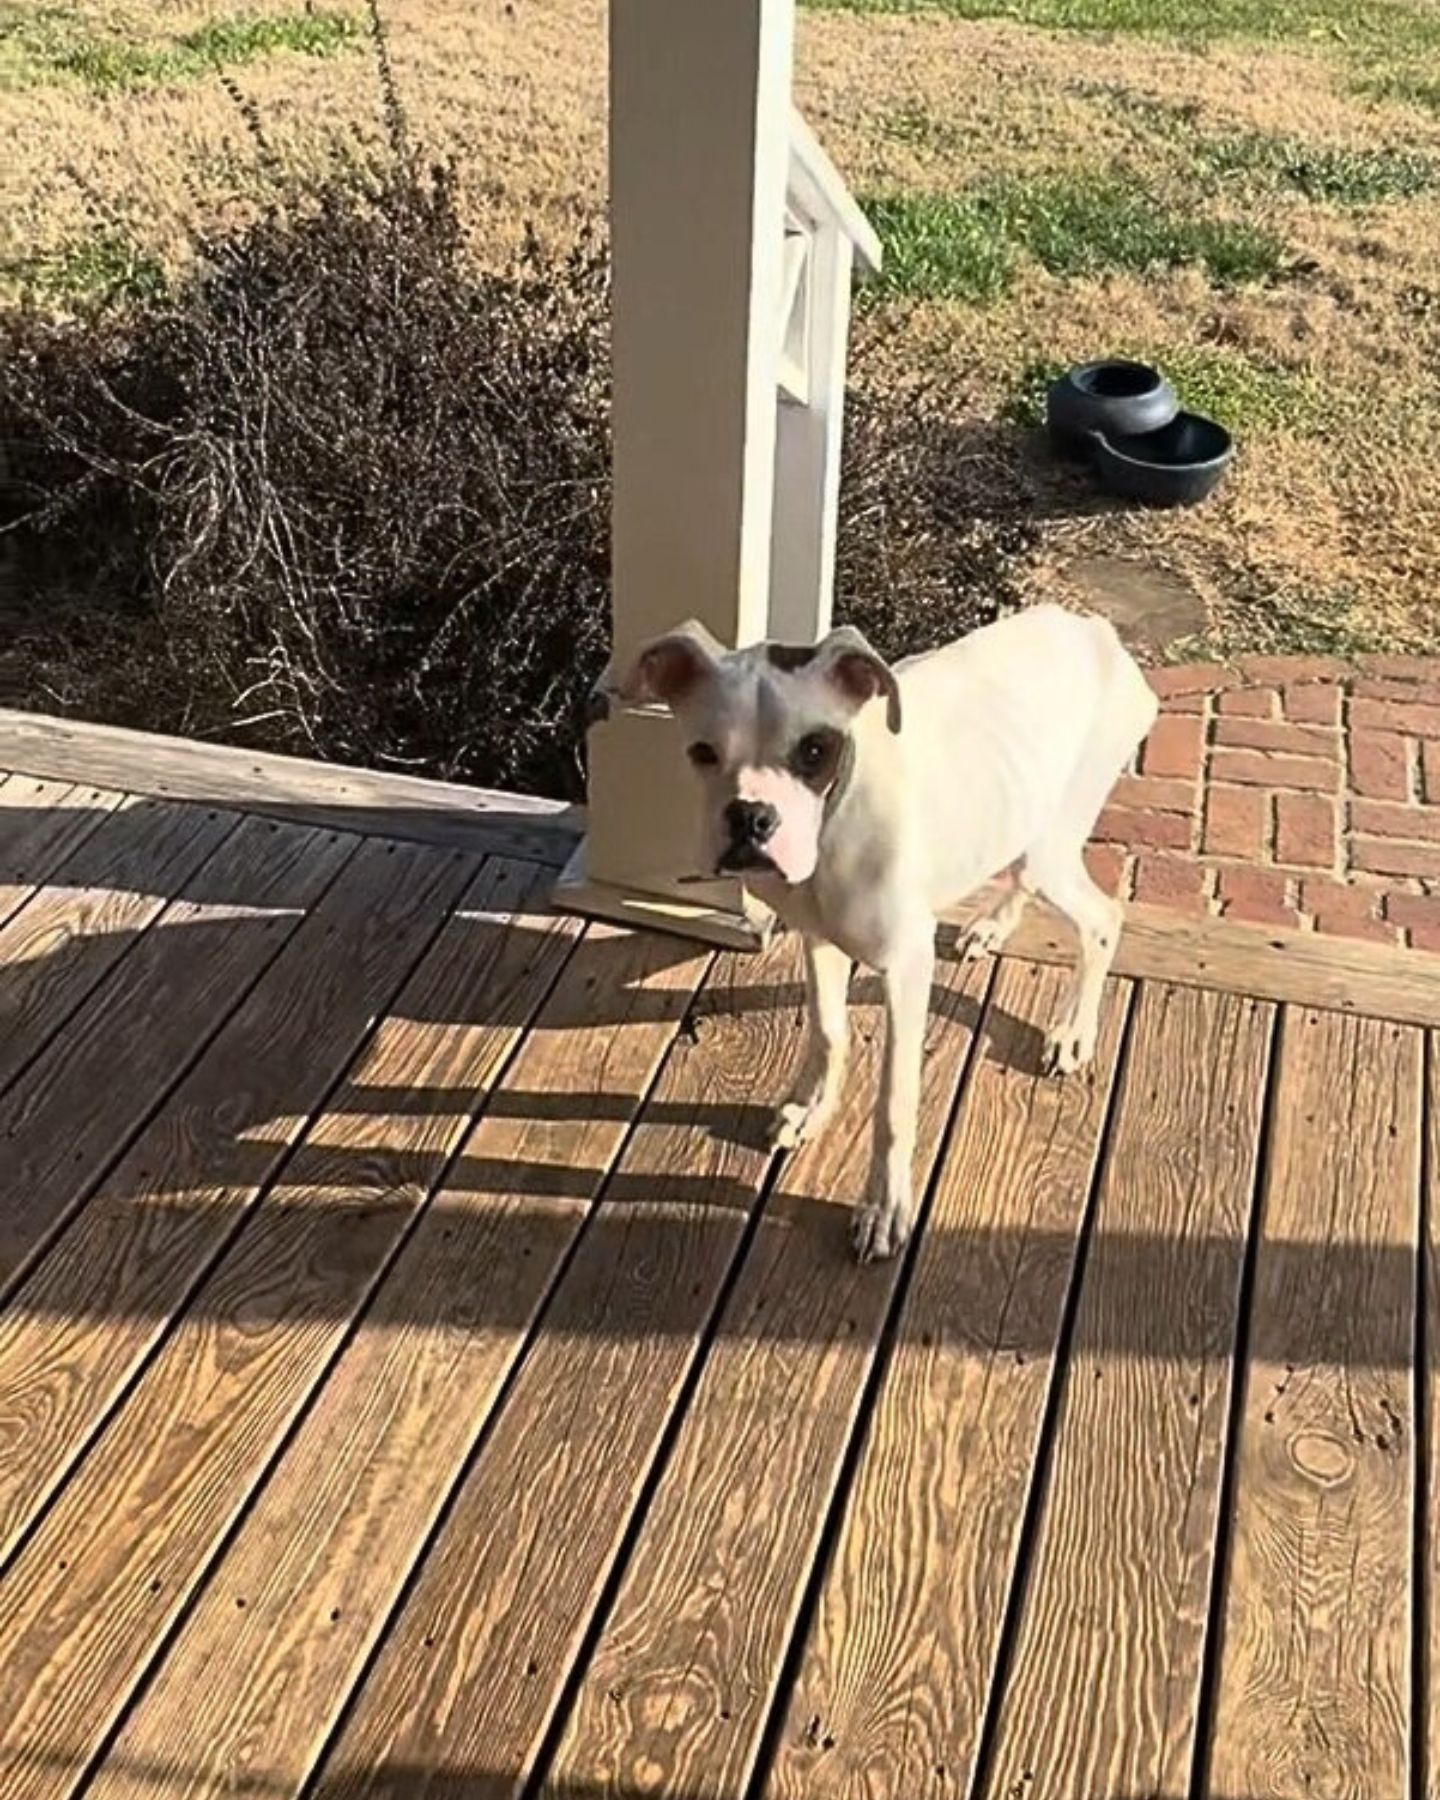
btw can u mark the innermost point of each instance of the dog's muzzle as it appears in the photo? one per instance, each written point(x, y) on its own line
point(751, 824)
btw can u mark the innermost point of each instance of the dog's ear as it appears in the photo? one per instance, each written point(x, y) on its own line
point(860, 673)
point(660, 672)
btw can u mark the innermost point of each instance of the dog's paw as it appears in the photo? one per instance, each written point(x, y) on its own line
point(797, 1122)
point(879, 1230)
point(1067, 1050)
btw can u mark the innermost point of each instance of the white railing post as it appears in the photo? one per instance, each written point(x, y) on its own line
point(810, 425)
point(707, 162)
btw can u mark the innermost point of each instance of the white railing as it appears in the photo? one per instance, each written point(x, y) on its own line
point(826, 236)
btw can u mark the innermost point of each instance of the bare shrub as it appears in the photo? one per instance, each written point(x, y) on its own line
point(342, 492)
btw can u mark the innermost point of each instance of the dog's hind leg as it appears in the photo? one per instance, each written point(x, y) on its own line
point(1054, 867)
point(822, 1071)
point(1060, 876)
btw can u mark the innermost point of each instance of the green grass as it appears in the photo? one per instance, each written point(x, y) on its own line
point(965, 247)
point(940, 247)
point(102, 269)
point(1406, 87)
point(1343, 177)
point(44, 46)
point(1388, 25)
point(1244, 395)
point(1272, 162)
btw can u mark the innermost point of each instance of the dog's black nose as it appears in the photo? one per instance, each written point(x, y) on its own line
point(751, 821)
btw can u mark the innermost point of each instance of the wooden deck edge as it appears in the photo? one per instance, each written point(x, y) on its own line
point(1333, 974)
point(360, 800)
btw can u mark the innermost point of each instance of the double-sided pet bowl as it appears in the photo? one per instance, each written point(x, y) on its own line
point(1126, 418)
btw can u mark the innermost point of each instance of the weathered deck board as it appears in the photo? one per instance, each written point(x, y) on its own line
point(525, 1494)
point(71, 932)
point(403, 808)
point(890, 1697)
point(249, 1696)
point(41, 823)
point(680, 1685)
point(81, 1611)
point(1101, 1694)
point(472, 1672)
point(1314, 1680)
point(68, 1117)
point(94, 1307)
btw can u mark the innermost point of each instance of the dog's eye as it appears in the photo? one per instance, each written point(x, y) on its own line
point(703, 756)
point(811, 754)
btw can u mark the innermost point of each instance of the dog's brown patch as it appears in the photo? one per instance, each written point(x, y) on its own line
point(789, 657)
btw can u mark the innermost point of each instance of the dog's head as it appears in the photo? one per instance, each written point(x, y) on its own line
point(768, 731)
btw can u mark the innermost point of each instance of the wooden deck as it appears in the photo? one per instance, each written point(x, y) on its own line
point(416, 1380)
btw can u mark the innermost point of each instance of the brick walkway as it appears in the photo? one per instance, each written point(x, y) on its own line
point(1288, 791)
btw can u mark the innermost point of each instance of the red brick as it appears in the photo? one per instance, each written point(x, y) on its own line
point(1154, 830)
point(1402, 668)
point(1317, 704)
point(1389, 856)
point(1430, 772)
point(1419, 914)
point(1106, 863)
point(1255, 897)
point(1426, 692)
point(1293, 668)
point(1249, 703)
point(1234, 822)
point(1341, 911)
point(1174, 747)
point(1291, 740)
point(1395, 715)
point(1378, 818)
point(1171, 881)
point(1259, 768)
point(1184, 703)
point(1379, 765)
point(1191, 678)
point(1153, 792)
point(1305, 829)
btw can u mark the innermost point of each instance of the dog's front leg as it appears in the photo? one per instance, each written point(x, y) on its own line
point(884, 1220)
point(817, 1088)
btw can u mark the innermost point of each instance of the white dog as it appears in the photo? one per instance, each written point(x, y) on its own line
point(858, 801)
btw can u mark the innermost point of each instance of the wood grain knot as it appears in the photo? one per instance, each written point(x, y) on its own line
point(1323, 1459)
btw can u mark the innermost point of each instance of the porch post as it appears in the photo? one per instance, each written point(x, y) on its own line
point(699, 151)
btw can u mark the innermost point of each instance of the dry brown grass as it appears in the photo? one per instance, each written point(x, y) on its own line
point(1328, 529)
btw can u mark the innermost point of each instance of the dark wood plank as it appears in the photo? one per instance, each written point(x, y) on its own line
point(72, 931)
point(891, 1693)
point(1314, 1693)
point(41, 823)
point(295, 789)
point(1103, 1690)
point(472, 1671)
point(93, 1309)
point(95, 1589)
point(676, 1696)
point(187, 1450)
point(76, 1107)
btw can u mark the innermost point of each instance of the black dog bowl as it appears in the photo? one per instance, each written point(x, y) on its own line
point(1175, 466)
point(1121, 399)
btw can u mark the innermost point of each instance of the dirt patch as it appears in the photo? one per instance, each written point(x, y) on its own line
point(1150, 607)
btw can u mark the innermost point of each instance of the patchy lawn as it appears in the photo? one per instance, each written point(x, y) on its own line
point(1245, 191)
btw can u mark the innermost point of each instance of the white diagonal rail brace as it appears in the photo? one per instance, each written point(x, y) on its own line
point(734, 241)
